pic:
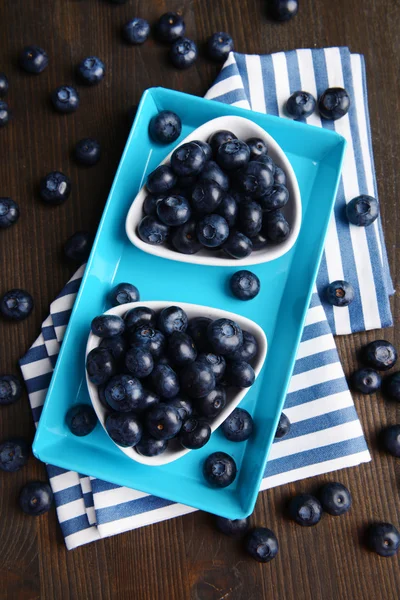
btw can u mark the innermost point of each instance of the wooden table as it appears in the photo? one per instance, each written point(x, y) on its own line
point(182, 558)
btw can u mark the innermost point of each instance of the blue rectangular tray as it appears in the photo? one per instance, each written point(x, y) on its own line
point(280, 308)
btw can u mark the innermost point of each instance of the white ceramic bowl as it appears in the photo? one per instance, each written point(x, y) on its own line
point(243, 129)
point(175, 451)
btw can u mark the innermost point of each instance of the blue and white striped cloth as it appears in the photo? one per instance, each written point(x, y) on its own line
point(326, 434)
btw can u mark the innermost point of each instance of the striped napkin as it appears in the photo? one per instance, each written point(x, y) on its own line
point(326, 434)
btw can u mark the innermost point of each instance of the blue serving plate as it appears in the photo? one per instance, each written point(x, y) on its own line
point(280, 309)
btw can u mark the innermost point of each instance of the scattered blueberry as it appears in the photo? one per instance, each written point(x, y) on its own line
point(108, 326)
point(205, 147)
point(165, 127)
point(334, 104)
point(181, 349)
point(300, 105)
point(87, 152)
point(392, 386)
point(390, 438)
point(123, 393)
point(55, 188)
point(212, 231)
point(65, 99)
point(206, 196)
point(283, 10)
point(276, 227)
point(91, 70)
point(194, 433)
point(225, 336)
point(247, 351)
point(245, 285)
point(279, 176)
point(9, 212)
point(139, 361)
point(188, 159)
point(219, 469)
point(305, 509)
point(3, 85)
point(383, 538)
point(197, 380)
point(255, 179)
point(124, 429)
point(184, 239)
point(170, 27)
point(14, 454)
point(197, 329)
point(5, 114)
point(140, 315)
point(228, 209)
point(174, 210)
point(235, 528)
point(163, 422)
point(148, 337)
point(100, 365)
point(219, 45)
point(152, 231)
point(136, 31)
point(183, 53)
point(149, 446)
point(212, 172)
point(283, 426)
point(33, 59)
point(35, 498)
point(261, 543)
point(161, 180)
point(275, 199)
point(124, 293)
point(165, 381)
point(340, 293)
point(213, 404)
point(183, 406)
point(238, 427)
point(117, 345)
point(81, 419)
point(78, 246)
point(240, 374)
point(216, 362)
point(335, 498)
point(380, 355)
point(16, 305)
point(362, 210)
point(366, 381)
point(172, 318)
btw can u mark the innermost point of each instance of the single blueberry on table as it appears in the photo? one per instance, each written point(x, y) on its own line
point(380, 355)
point(247, 351)
point(206, 196)
point(240, 374)
point(33, 59)
point(283, 426)
point(55, 188)
point(383, 538)
point(152, 231)
point(205, 147)
point(366, 381)
point(65, 99)
point(161, 180)
point(340, 293)
point(224, 335)
point(136, 31)
point(195, 433)
point(392, 386)
point(183, 405)
point(163, 421)
point(220, 137)
point(174, 210)
point(261, 544)
point(219, 469)
point(275, 199)
point(139, 361)
point(123, 393)
point(238, 427)
point(335, 498)
point(165, 381)
point(183, 53)
point(257, 147)
point(149, 446)
point(184, 239)
point(78, 246)
point(150, 338)
point(124, 429)
point(362, 210)
point(216, 362)
point(212, 172)
point(197, 329)
point(245, 285)
point(5, 114)
point(390, 438)
point(170, 27)
point(16, 305)
point(181, 349)
point(305, 509)
point(255, 179)
point(117, 345)
point(3, 85)
point(334, 104)
point(9, 212)
point(140, 315)
point(100, 365)
point(219, 45)
point(283, 10)
point(279, 176)
point(165, 127)
point(228, 209)
point(81, 419)
point(233, 155)
point(14, 454)
point(91, 70)
point(172, 318)
point(250, 218)
point(188, 159)
point(197, 380)
point(235, 528)
point(124, 293)
point(35, 498)
point(108, 326)
point(212, 231)
point(213, 404)
point(87, 152)
point(300, 105)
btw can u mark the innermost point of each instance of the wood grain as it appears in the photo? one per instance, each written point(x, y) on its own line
point(183, 558)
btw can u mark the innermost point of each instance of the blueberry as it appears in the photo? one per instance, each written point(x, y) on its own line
point(225, 336)
point(124, 293)
point(65, 99)
point(170, 27)
point(334, 104)
point(233, 155)
point(250, 218)
point(283, 10)
point(245, 285)
point(219, 469)
point(240, 374)
point(267, 161)
point(150, 204)
point(212, 172)
point(255, 179)
point(197, 380)
point(340, 293)
point(3, 85)
point(136, 31)
point(165, 381)
point(390, 439)
point(228, 209)
point(35, 498)
point(197, 329)
point(185, 184)
point(91, 70)
point(123, 393)
point(172, 318)
point(392, 386)
point(165, 127)
point(174, 210)
point(206, 196)
point(181, 349)
point(213, 404)
point(161, 180)
point(259, 240)
point(194, 433)
point(14, 454)
point(183, 53)
point(276, 198)
point(362, 210)
point(220, 137)
point(183, 406)
point(383, 538)
point(152, 231)
point(78, 246)
point(150, 338)
point(138, 316)
point(335, 498)
point(81, 419)
point(300, 105)
point(149, 446)
point(33, 59)
point(279, 176)
point(216, 362)
point(184, 239)
point(9, 212)
point(283, 426)
point(366, 381)
point(5, 114)
point(108, 326)
point(380, 355)
point(212, 231)
point(257, 147)
point(219, 45)
point(163, 422)
point(276, 227)
point(247, 351)
point(87, 152)
point(124, 429)
point(238, 245)
point(139, 361)
point(16, 305)
point(117, 345)
point(235, 528)
point(188, 159)
point(100, 365)
point(305, 509)
point(261, 543)
point(238, 427)
point(55, 188)
point(206, 148)
point(147, 401)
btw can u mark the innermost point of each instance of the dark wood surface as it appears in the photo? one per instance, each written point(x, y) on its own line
point(182, 558)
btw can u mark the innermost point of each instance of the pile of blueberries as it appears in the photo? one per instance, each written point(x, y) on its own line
point(224, 194)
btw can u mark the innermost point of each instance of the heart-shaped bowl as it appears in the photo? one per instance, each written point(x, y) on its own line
point(243, 129)
point(233, 397)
